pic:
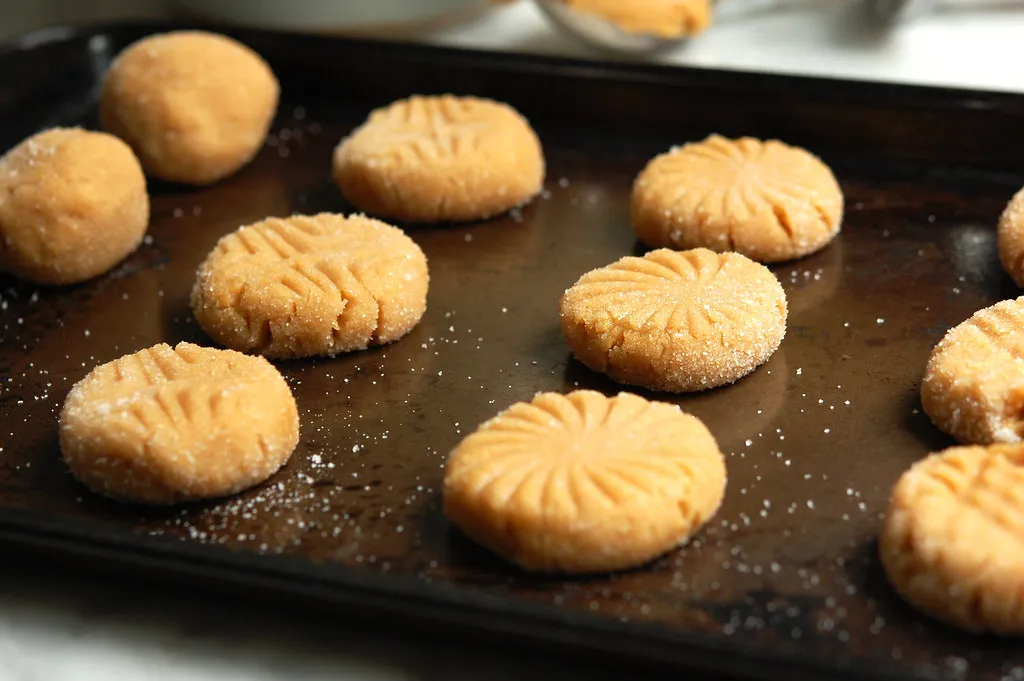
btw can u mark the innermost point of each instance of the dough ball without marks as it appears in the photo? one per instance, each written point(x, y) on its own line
point(73, 204)
point(195, 106)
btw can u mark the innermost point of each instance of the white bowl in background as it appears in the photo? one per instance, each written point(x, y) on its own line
point(357, 16)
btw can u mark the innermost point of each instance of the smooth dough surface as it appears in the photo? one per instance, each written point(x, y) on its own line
point(167, 425)
point(675, 321)
point(767, 200)
point(194, 106)
point(661, 18)
point(1011, 238)
point(439, 159)
point(583, 483)
point(311, 285)
point(973, 387)
point(73, 204)
point(953, 539)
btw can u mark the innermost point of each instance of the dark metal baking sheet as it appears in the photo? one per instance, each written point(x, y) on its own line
point(783, 584)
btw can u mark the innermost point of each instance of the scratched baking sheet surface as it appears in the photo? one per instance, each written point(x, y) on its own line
point(815, 438)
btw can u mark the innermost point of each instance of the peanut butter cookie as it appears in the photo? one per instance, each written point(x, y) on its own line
point(952, 542)
point(583, 483)
point(1011, 238)
point(661, 18)
point(973, 384)
point(167, 425)
point(73, 204)
point(194, 106)
point(311, 285)
point(675, 321)
point(438, 159)
point(767, 200)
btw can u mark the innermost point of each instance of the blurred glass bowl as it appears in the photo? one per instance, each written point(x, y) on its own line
point(342, 16)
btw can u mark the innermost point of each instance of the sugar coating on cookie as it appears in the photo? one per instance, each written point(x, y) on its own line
point(584, 483)
point(675, 321)
point(440, 158)
point(953, 539)
point(767, 200)
point(311, 285)
point(73, 204)
point(661, 18)
point(195, 106)
point(167, 425)
point(973, 387)
point(1011, 238)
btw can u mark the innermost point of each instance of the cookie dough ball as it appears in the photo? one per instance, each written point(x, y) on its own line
point(311, 285)
point(767, 200)
point(675, 321)
point(195, 106)
point(950, 544)
point(973, 387)
point(439, 159)
point(662, 18)
point(73, 204)
point(583, 483)
point(1011, 238)
point(168, 425)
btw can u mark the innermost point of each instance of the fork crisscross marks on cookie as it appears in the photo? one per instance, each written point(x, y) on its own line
point(583, 483)
point(167, 424)
point(304, 286)
point(766, 200)
point(675, 321)
point(953, 539)
point(427, 159)
point(428, 130)
point(973, 386)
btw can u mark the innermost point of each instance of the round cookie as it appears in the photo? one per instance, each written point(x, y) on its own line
point(167, 425)
point(973, 387)
point(73, 204)
point(311, 285)
point(439, 159)
point(675, 321)
point(767, 200)
point(951, 542)
point(195, 106)
point(583, 483)
point(1011, 238)
point(661, 18)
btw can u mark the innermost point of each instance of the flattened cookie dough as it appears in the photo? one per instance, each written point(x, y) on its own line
point(675, 321)
point(661, 18)
point(167, 425)
point(439, 159)
point(953, 540)
point(973, 386)
point(1011, 238)
point(195, 106)
point(767, 200)
point(583, 483)
point(73, 204)
point(311, 285)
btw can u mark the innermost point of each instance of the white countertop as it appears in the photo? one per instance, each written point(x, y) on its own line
point(91, 630)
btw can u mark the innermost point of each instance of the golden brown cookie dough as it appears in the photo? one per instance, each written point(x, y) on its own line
point(311, 285)
point(675, 321)
point(72, 205)
point(661, 18)
point(953, 540)
point(195, 106)
point(166, 425)
point(1011, 238)
point(583, 483)
point(973, 384)
point(438, 159)
point(767, 200)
